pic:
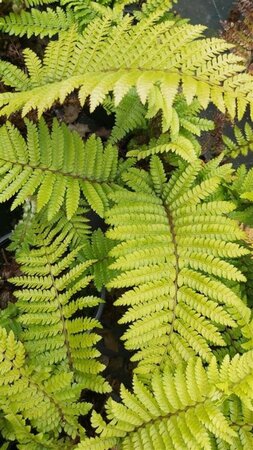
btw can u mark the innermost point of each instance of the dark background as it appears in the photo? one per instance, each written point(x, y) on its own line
point(205, 12)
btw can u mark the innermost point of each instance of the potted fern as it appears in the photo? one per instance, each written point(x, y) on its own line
point(172, 255)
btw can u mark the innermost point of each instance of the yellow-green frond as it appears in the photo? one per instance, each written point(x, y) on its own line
point(175, 260)
point(57, 166)
point(184, 406)
point(159, 59)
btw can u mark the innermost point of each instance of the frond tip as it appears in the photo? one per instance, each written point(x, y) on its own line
point(182, 408)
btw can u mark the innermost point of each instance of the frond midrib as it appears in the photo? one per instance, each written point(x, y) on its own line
point(60, 309)
point(179, 411)
point(125, 70)
point(56, 172)
point(177, 270)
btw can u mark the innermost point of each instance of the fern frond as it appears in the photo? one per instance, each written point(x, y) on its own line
point(185, 125)
point(36, 399)
point(158, 59)
point(242, 191)
point(98, 249)
point(47, 303)
point(77, 228)
point(150, 6)
point(242, 143)
point(181, 146)
point(57, 167)
point(129, 115)
point(173, 250)
point(84, 11)
point(37, 23)
point(182, 408)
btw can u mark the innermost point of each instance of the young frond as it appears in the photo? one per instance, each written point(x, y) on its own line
point(47, 302)
point(159, 59)
point(57, 167)
point(242, 143)
point(242, 191)
point(182, 145)
point(174, 250)
point(98, 249)
point(180, 140)
point(129, 115)
point(37, 405)
point(182, 408)
point(83, 11)
point(37, 23)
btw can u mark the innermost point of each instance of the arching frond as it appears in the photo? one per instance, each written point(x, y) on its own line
point(157, 58)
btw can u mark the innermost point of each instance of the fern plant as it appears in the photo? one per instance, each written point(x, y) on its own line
point(161, 241)
point(46, 305)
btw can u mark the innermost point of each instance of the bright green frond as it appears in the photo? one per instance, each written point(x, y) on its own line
point(242, 143)
point(47, 304)
point(36, 22)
